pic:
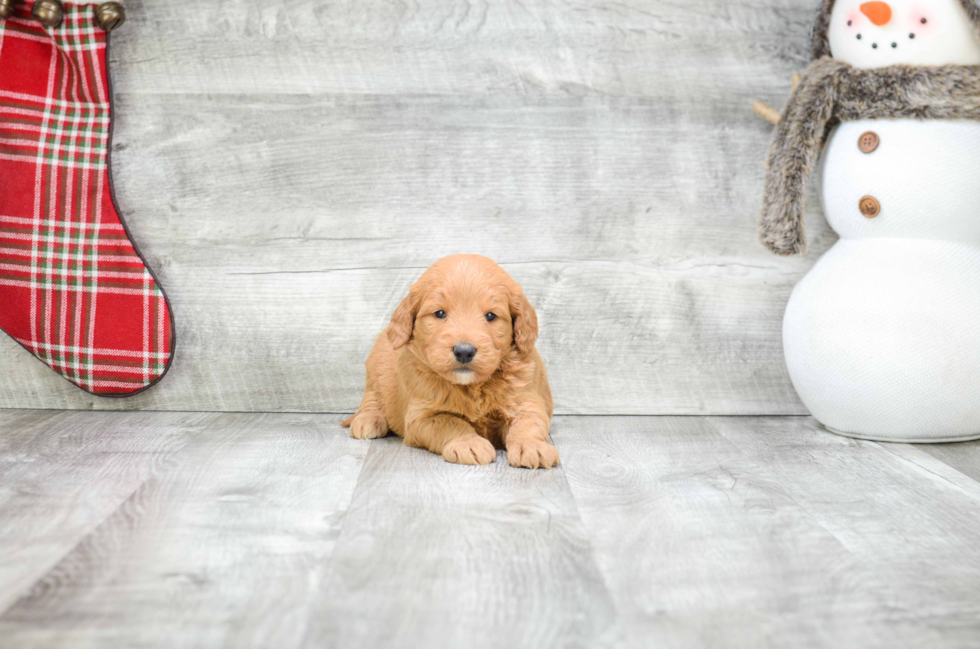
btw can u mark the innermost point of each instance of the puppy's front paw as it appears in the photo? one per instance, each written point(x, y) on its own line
point(532, 454)
point(469, 449)
point(369, 425)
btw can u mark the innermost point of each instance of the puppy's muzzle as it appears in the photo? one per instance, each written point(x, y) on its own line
point(464, 352)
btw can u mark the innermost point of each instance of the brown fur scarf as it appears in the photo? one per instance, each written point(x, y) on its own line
point(832, 92)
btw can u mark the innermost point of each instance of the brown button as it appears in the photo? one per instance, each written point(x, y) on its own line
point(869, 206)
point(868, 142)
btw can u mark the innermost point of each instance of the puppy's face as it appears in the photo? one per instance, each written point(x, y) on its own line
point(463, 317)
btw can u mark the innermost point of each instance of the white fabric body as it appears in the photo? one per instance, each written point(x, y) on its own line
point(947, 37)
point(882, 337)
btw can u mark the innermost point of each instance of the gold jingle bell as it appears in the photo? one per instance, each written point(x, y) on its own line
point(6, 8)
point(110, 15)
point(49, 13)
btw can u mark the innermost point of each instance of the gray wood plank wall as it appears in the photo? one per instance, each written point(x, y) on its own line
point(289, 167)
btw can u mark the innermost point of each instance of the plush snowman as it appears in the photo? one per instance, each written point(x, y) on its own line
point(882, 337)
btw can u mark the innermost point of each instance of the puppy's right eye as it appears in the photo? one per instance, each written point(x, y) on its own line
point(440, 314)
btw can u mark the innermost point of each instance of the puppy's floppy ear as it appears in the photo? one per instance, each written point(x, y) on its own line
point(403, 319)
point(525, 321)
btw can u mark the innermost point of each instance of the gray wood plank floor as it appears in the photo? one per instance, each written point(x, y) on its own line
point(290, 166)
point(278, 530)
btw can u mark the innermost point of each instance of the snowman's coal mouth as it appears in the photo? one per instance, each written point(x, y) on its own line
point(874, 46)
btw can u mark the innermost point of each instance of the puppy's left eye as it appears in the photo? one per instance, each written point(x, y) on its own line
point(491, 317)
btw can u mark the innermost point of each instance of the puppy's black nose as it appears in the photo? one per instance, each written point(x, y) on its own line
point(464, 352)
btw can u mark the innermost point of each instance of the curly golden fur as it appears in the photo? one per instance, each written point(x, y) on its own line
point(417, 388)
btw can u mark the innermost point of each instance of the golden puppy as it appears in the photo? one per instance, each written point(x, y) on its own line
point(456, 370)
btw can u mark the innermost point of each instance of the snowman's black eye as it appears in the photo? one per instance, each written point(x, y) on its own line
point(491, 317)
point(440, 314)
point(923, 21)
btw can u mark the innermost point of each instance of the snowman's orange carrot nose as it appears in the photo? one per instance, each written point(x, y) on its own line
point(879, 12)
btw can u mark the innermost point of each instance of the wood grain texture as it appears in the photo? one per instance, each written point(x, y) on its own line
point(639, 48)
point(441, 555)
point(911, 528)
point(62, 474)
point(750, 532)
point(290, 167)
point(222, 550)
point(254, 530)
point(961, 456)
point(703, 547)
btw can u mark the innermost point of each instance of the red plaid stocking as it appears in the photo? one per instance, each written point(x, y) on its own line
point(73, 289)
